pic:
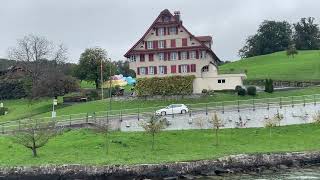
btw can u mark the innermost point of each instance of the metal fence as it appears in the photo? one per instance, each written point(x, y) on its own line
point(114, 118)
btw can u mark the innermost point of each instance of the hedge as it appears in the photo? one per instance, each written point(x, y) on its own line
point(3, 111)
point(172, 85)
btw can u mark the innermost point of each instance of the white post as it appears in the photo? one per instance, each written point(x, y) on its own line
point(55, 102)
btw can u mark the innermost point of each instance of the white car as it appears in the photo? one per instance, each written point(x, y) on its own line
point(173, 109)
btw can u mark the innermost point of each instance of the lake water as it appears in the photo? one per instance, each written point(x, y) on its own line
point(305, 173)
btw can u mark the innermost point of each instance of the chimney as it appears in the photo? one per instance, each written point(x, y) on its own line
point(177, 15)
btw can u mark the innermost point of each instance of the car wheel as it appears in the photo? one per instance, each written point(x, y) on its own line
point(163, 113)
point(183, 111)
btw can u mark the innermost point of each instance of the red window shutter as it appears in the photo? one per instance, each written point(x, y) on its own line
point(138, 71)
point(177, 30)
point(179, 55)
point(165, 31)
point(188, 68)
point(165, 69)
point(145, 44)
point(193, 67)
point(179, 68)
point(197, 54)
point(173, 43)
point(165, 43)
point(155, 69)
point(155, 44)
point(173, 69)
point(150, 57)
point(187, 54)
point(165, 56)
point(146, 70)
point(184, 42)
point(156, 31)
point(141, 57)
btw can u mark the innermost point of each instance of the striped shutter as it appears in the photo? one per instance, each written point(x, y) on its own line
point(188, 68)
point(165, 69)
point(155, 44)
point(165, 43)
point(179, 55)
point(176, 30)
point(197, 54)
point(168, 31)
point(145, 44)
point(184, 42)
point(173, 69)
point(138, 71)
point(193, 67)
point(173, 43)
point(155, 69)
point(165, 31)
point(156, 31)
point(150, 57)
point(179, 68)
point(146, 68)
point(187, 54)
point(165, 56)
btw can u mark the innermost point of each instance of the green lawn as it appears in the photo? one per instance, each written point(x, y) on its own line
point(278, 66)
point(20, 109)
point(87, 147)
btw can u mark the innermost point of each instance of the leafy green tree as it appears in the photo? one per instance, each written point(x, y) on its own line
point(306, 35)
point(268, 86)
point(272, 36)
point(90, 63)
point(123, 68)
point(292, 51)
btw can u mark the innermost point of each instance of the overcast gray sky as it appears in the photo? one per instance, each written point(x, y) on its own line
point(116, 25)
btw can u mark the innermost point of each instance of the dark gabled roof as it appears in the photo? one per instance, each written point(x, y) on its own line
point(167, 12)
point(204, 38)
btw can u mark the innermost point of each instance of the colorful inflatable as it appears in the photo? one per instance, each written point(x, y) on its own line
point(119, 80)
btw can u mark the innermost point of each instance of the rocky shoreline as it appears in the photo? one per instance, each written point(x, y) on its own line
point(242, 163)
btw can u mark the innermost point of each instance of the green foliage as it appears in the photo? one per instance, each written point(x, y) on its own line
point(269, 86)
point(90, 63)
point(153, 126)
point(238, 88)
point(172, 85)
point(241, 92)
point(3, 111)
point(252, 90)
point(292, 51)
point(12, 89)
point(272, 36)
point(204, 91)
point(307, 34)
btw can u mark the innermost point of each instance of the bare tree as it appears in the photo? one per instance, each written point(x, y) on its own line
point(217, 123)
point(39, 57)
point(103, 128)
point(153, 126)
point(34, 134)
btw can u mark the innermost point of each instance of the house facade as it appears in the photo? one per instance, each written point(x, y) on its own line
point(168, 49)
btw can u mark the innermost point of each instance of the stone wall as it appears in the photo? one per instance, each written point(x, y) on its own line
point(230, 164)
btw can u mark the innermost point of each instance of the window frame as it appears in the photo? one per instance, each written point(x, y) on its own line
point(159, 57)
point(184, 53)
point(173, 56)
point(161, 31)
point(161, 69)
point(151, 72)
point(161, 42)
point(144, 72)
point(184, 68)
point(149, 44)
point(192, 55)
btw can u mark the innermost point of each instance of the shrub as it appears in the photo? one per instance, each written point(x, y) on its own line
point(204, 91)
point(210, 92)
point(172, 85)
point(238, 88)
point(12, 89)
point(242, 92)
point(252, 90)
point(269, 86)
point(3, 111)
point(92, 94)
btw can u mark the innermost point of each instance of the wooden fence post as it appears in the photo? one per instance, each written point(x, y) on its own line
point(253, 105)
point(87, 117)
point(292, 104)
point(222, 107)
point(2, 129)
point(238, 106)
point(70, 120)
point(207, 109)
point(314, 100)
point(304, 101)
point(280, 103)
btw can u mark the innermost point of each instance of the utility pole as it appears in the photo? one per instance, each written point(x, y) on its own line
point(110, 83)
point(101, 78)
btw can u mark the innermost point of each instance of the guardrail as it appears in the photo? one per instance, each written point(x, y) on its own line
point(115, 117)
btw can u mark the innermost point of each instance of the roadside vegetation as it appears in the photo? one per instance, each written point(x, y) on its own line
point(88, 146)
point(42, 108)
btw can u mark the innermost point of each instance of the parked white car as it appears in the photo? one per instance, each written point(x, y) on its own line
point(173, 109)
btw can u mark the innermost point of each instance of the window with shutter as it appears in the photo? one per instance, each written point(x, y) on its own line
point(155, 44)
point(173, 43)
point(141, 57)
point(173, 69)
point(155, 69)
point(150, 57)
point(184, 42)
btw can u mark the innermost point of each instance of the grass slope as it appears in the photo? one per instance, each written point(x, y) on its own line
point(42, 108)
point(305, 66)
point(87, 147)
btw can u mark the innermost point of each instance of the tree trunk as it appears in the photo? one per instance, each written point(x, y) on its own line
point(152, 141)
point(217, 141)
point(34, 152)
point(97, 83)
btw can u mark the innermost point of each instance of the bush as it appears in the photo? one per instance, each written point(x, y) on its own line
point(242, 92)
point(92, 94)
point(269, 86)
point(3, 111)
point(238, 87)
point(252, 90)
point(172, 85)
point(204, 91)
point(12, 89)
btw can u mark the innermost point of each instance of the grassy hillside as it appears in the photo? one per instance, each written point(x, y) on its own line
point(87, 147)
point(20, 108)
point(278, 66)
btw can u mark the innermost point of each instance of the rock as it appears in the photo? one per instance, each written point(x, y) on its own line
point(171, 178)
point(282, 166)
point(187, 177)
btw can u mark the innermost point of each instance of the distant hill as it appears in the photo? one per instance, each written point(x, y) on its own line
point(5, 63)
point(278, 66)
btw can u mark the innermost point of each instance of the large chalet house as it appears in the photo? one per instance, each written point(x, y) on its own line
point(168, 49)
